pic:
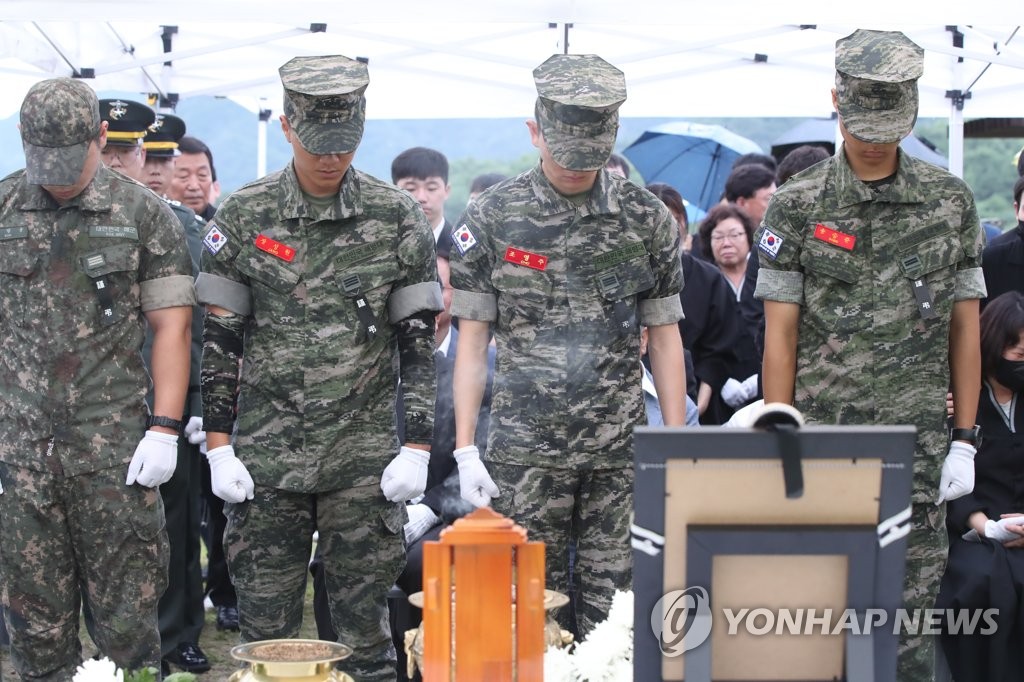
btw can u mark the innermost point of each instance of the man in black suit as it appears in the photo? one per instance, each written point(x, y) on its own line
point(423, 173)
point(1002, 261)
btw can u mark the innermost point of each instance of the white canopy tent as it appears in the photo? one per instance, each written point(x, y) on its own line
point(452, 59)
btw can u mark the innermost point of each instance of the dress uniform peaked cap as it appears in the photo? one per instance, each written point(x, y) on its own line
point(127, 121)
point(163, 135)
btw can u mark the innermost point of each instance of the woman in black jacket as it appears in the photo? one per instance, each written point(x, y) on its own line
point(986, 553)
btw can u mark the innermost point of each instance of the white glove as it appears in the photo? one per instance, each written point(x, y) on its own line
point(750, 387)
point(475, 483)
point(998, 531)
point(421, 519)
point(154, 460)
point(406, 476)
point(957, 472)
point(735, 394)
point(194, 431)
point(229, 479)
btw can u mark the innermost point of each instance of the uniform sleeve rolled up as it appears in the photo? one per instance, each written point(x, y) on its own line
point(969, 284)
point(166, 292)
point(474, 305)
point(659, 311)
point(784, 286)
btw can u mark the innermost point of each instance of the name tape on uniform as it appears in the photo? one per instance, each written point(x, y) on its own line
point(275, 248)
point(834, 237)
point(530, 260)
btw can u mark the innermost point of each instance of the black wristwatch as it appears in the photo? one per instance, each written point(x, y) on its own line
point(972, 436)
point(166, 422)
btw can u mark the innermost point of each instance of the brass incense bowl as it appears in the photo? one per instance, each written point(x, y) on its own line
point(290, 660)
point(554, 636)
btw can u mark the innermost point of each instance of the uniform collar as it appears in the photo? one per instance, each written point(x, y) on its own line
point(95, 198)
point(849, 189)
point(601, 201)
point(293, 205)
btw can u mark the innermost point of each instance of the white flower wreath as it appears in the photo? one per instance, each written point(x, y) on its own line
point(606, 655)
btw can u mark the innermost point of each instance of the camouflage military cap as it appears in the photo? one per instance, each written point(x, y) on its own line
point(162, 137)
point(578, 100)
point(876, 84)
point(59, 118)
point(324, 102)
point(127, 121)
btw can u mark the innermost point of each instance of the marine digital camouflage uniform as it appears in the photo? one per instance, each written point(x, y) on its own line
point(564, 287)
point(72, 409)
point(865, 354)
point(316, 411)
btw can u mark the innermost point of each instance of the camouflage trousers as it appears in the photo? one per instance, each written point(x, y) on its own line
point(927, 549)
point(588, 511)
point(268, 542)
point(69, 541)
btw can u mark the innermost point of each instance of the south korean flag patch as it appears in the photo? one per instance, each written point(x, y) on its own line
point(463, 239)
point(770, 244)
point(214, 239)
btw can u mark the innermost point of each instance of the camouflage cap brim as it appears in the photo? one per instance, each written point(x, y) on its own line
point(582, 146)
point(331, 137)
point(877, 112)
point(54, 165)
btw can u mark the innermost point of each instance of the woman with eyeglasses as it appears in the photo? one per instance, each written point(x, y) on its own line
point(726, 235)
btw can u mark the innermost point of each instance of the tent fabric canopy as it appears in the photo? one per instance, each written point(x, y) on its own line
point(448, 59)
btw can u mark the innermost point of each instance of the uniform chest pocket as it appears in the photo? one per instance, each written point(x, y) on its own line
point(929, 258)
point(269, 271)
point(832, 279)
point(619, 287)
point(114, 272)
point(17, 266)
point(524, 295)
point(368, 286)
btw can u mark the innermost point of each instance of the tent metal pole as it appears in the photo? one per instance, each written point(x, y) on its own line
point(261, 143)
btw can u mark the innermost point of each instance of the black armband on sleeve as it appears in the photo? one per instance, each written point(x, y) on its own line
point(222, 349)
point(419, 381)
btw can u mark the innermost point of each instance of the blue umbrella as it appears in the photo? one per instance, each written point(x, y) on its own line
point(694, 158)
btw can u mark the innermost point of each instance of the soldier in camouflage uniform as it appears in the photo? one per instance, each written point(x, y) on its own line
point(319, 277)
point(88, 259)
point(134, 134)
point(565, 262)
point(870, 274)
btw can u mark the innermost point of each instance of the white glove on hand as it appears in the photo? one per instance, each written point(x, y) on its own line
point(998, 531)
point(421, 519)
point(154, 460)
point(194, 431)
point(749, 387)
point(475, 483)
point(734, 394)
point(406, 476)
point(229, 479)
point(957, 472)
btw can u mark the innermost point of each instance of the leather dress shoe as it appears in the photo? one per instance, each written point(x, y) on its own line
point(227, 618)
point(189, 657)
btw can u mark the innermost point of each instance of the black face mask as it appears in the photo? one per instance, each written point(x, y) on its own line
point(1010, 373)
